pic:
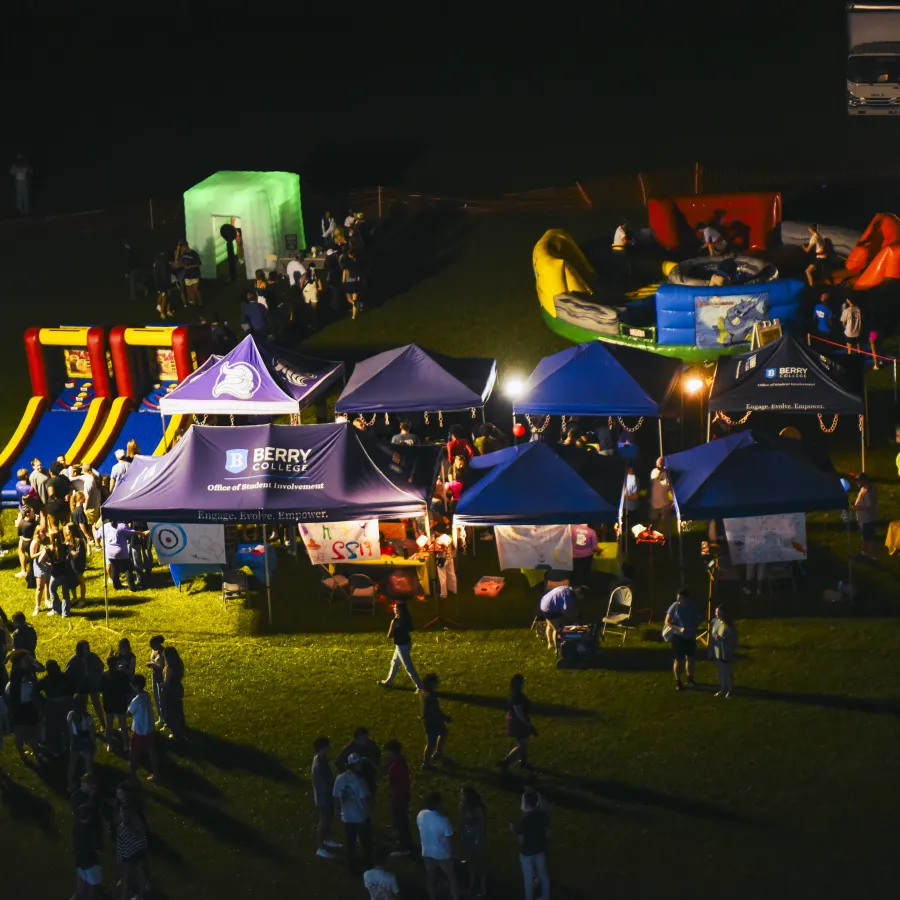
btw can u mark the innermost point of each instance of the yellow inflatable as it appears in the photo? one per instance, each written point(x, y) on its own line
point(560, 267)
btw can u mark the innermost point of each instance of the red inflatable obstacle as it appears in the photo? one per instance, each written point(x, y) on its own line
point(876, 256)
point(745, 220)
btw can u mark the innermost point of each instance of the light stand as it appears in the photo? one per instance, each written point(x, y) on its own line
point(439, 547)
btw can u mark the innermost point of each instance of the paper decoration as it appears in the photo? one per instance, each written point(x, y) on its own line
point(188, 544)
point(762, 539)
point(530, 546)
point(341, 542)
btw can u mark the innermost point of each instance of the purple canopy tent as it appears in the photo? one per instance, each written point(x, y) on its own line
point(254, 379)
point(275, 473)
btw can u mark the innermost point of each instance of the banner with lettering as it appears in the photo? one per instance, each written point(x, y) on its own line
point(530, 546)
point(341, 542)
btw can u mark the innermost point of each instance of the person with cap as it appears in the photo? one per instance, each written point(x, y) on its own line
point(681, 631)
point(353, 802)
point(119, 469)
point(363, 746)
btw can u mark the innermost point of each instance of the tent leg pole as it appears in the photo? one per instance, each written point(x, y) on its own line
point(680, 546)
point(862, 445)
point(165, 441)
point(849, 549)
point(659, 422)
point(268, 579)
point(708, 426)
point(483, 419)
point(105, 580)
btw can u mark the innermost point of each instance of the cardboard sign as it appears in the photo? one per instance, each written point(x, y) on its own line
point(341, 542)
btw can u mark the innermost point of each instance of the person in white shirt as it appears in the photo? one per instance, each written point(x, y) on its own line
point(435, 832)
point(311, 286)
point(661, 498)
point(381, 884)
point(353, 801)
point(350, 221)
point(851, 319)
point(21, 176)
point(713, 240)
point(119, 469)
point(817, 244)
point(143, 730)
point(295, 270)
point(328, 225)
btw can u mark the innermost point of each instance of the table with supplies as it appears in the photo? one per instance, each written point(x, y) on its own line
point(378, 567)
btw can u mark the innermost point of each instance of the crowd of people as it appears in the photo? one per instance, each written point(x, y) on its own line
point(46, 707)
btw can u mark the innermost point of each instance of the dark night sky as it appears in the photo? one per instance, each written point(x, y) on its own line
point(127, 108)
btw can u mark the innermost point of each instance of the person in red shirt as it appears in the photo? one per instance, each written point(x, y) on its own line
point(458, 445)
point(398, 795)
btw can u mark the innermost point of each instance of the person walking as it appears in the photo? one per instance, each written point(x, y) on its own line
point(400, 630)
point(82, 740)
point(173, 688)
point(435, 832)
point(435, 721)
point(323, 796)
point(866, 508)
point(115, 686)
point(398, 795)
point(681, 631)
point(723, 638)
point(354, 804)
point(518, 723)
point(533, 834)
point(156, 665)
point(21, 173)
point(143, 734)
point(818, 246)
point(851, 319)
point(473, 839)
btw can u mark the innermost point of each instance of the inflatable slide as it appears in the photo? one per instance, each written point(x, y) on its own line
point(148, 362)
point(71, 394)
point(876, 257)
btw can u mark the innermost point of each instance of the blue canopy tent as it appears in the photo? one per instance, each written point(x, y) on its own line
point(410, 379)
point(751, 474)
point(594, 379)
point(529, 484)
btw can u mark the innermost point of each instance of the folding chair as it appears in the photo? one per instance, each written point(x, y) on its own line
point(330, 584)
point(620, 600)
point(362, 594)
point(234, 585)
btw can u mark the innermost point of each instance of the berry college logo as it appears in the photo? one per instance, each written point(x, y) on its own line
point(236, 461)
point(771, 373)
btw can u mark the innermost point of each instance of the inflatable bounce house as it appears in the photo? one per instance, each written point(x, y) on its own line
point(876, 257)
point(703, 309)
point(263, 207)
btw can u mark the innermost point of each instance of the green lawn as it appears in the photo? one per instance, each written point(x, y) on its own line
point(787, 788)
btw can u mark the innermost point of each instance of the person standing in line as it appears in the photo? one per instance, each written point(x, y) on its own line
point(584, 543)
point(115, 686)
point(82, 740)
point(435, 832)
point(173, 688)
point(92, 497)
point(473, 839)
point(398, 795)
point(381, 884)
point(723, 638)
point(21, 175)
point(816, 244)
point(353, 802)
point(518, 723)
point(363, 746)
point(26, 524)
point(681, 619)
point(85, 669)
point(80, 520)
point(400, 630)
point(435, 721)
point(327, 226)
point(851, 319)
point(143, 734)
point(866, 508)
point(533, 835)
point(24, 637)
point(131, 842)
point(41, 555)
point(76, 558)
point(86, 846)
point(323, 796)
point(22, 693)
point(56, 689)
point(120, 467)
point(156, 665)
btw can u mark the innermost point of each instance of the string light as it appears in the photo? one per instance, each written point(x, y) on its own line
point(440, 418)
point(534, 428)
point(370, 422)
point(830, 429)
point(473, 412)
point(720, 416)
point(562, 432)
point(426, 418)
point(387, 419)
point(640, 422)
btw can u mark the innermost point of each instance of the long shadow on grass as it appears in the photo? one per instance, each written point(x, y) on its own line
point(558, 710)
point(26, 806)
point(634, 659)
point(890, 707)
point(221, 825)
point(207, 748)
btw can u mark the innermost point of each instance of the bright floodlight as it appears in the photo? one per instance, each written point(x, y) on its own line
point(693, 385)
point(513, 386)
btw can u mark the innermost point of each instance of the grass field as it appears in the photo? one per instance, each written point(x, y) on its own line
point(787, 788)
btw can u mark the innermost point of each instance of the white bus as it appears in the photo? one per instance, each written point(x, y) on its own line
point(873, 59)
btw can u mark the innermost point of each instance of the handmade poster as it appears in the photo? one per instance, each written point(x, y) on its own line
point(729, 319)
point(341, 542)
point(530, 546)
point(188, 544)
point(761, 539)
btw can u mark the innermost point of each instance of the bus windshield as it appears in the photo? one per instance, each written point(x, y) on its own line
point(873, 70)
